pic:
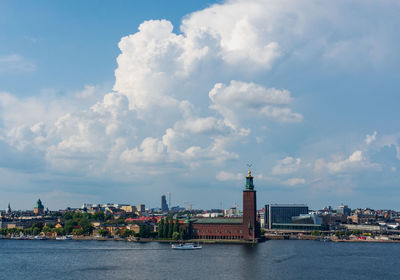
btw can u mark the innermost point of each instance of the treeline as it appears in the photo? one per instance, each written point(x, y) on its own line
point(35, 229)
point(169, 229)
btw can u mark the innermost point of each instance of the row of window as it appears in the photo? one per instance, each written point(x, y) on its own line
point(217, 237)
point(210, 231)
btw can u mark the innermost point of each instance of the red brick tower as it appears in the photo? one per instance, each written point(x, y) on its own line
point(251, 227)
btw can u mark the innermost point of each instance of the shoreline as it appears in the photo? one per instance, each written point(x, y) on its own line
point(141, 240)
point(214, 241)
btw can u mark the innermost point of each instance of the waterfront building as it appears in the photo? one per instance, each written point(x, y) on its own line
point(39, 208)
point(261, 214)
point(164, 205)
point(363, 228)
point(276, 215)
point(244, 228)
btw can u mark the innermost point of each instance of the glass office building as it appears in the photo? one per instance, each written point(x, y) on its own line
point(282, 214)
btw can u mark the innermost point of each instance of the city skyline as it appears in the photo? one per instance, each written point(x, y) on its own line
point(123, 102)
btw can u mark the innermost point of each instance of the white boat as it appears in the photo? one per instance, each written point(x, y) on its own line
point(38, 237)
point(63, 238)
point(185, 246)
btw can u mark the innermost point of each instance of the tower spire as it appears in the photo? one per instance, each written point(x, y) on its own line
point(249, 179)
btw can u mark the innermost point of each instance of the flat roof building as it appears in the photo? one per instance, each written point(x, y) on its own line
point(282, 213)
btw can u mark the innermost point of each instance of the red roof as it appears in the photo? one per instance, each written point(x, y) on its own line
point(141, 219)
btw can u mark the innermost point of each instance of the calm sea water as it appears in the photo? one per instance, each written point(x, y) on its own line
point(286, 259)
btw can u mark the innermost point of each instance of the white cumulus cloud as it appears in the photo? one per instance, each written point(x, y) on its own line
point(370, 138)
point(294, 181)
point(229, 176)
point(288, 165)
point(240, 101)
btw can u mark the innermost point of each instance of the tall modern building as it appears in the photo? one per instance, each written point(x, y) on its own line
point(164, 205)
point(278, 215)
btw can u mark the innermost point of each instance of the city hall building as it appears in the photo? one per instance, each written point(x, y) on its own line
point(245, 228)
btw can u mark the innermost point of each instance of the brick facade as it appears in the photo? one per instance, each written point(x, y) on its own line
point(246, 228)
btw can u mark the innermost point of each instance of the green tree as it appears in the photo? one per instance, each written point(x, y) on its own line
point(77, 215)
point(77, 231)
point(35, 230)
point(103, 232)
point(315, 233)
point(108, 217)
point(13, 231)
point(127, 233)
point(98, 216)
point(161, 228)
point(57, 214)
point(181, 233)
point(176, 225)
point(175, 235)
point(144, 231)
point(86, 226)
point(68, 228)
point(67, 216)
point(166, 228)
point(170, 227)
point(59, 231)
point(47, 228)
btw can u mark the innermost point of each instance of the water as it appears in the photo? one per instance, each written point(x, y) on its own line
point(279, 259)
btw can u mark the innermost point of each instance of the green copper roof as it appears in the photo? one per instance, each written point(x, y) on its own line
point(249, 181)
point(39, 204)
point(218, 221)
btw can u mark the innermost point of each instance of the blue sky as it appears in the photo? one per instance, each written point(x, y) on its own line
point(124, 101)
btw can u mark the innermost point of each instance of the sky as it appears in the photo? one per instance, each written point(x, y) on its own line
point(124, 101)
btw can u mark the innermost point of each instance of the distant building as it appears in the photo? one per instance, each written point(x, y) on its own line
point(129, 208)
point(9, 209)
point(363, 219)
point(343, 210)
point(177, 208)
point(368, 228)
point(277, 215)
point(39, 208)
point(232, 212)
point(141, 208)
point(164, 205)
